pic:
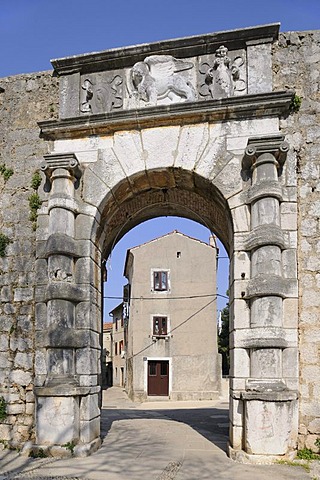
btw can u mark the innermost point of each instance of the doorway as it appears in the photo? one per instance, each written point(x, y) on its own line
point(158, 377)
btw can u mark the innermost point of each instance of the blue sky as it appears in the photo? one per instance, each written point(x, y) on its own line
point(34, 31)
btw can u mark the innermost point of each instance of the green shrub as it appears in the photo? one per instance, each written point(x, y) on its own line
point(36, 180)
point(5, 172)
point(307, 454)
point(4, 242)
point(34, 204)
point(3, 409)
point(295, 104)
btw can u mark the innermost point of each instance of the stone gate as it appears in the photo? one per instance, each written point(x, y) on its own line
point(192, 127)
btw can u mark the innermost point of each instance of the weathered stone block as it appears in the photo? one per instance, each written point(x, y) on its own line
point(23, 294)
point(6, 294)
point(129, 141)
point(290, 362)
point(57, 420)
point(5, 432)
point(89, 407)
point(88, 380)
point(24, 360)
point(4, 342)
point(267, 427)
point(235, 435)
point(16, 408)
point(41, 316)
point(89, 430)
point(239, 362)
point(236, 412)
point(289, 216)
point(241, 218)
point(266, 311)
point(87, 361)
point(20, 377)
point(290, 313)
point(259, 68)
point(88, 316)
point(266, 363)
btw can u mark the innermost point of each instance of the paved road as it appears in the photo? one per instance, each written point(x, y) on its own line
point(154, 441)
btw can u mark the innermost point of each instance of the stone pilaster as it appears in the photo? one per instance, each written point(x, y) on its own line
point(62, 399)
point(265, 406)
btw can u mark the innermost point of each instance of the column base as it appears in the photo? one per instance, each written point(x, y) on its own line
point(60, 451)
point(241, 456)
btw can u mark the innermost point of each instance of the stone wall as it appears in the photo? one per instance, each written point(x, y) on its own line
point(24, 100)
point(296, 65)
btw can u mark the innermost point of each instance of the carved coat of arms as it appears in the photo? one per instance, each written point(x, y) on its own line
point(223, 77)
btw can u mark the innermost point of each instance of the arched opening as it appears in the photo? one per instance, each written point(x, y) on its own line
point(189, 197)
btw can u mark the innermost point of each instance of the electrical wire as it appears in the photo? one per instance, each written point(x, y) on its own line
point(170, 298)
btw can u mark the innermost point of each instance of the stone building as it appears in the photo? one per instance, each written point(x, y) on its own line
point(106, 363)
point(172, 332)
point(221, 128)
point(118, 348)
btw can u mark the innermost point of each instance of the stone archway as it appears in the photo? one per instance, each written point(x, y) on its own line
point(223, 161)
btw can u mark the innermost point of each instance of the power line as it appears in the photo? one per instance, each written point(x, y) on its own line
point(173, 329)
point(170, 298)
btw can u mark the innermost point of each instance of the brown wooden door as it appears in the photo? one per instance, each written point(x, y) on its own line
point(158, 377)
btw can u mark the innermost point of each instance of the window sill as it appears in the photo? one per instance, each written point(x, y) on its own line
point(157, 337)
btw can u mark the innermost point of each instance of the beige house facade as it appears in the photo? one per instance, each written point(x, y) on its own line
point(106, 356)
point(172, 331)
point(118, 352)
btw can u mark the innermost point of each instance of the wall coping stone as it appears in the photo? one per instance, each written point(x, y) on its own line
point(122, 57)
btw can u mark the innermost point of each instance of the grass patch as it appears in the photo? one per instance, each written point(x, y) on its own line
point(294, 463)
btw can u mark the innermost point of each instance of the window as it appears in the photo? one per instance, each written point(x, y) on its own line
point(163, 368)
point(116, 348)
point(121, 321)
point(120, 347)
point(152, 369)
point(159, 326)
point(160, 281)
point(116, 323)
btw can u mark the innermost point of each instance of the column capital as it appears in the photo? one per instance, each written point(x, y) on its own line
point(274, 145)
point(65, 161)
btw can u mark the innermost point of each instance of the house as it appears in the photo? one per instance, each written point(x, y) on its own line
point(106, 364)
point(171, 330)
point(118, 353)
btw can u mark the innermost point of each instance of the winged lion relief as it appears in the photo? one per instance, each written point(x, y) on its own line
point(161, 79)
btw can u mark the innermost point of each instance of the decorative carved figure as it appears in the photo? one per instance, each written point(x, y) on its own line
point(102, 96)
point(223, 78)
point(159, 77)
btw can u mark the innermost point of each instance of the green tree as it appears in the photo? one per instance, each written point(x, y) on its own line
point(223, 340)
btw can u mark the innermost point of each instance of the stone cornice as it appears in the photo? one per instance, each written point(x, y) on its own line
point(118, 58)
point(232, 108)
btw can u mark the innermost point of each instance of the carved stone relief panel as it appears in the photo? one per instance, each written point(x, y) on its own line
point(101, 92)
point(222, 75)
point(161, 80)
